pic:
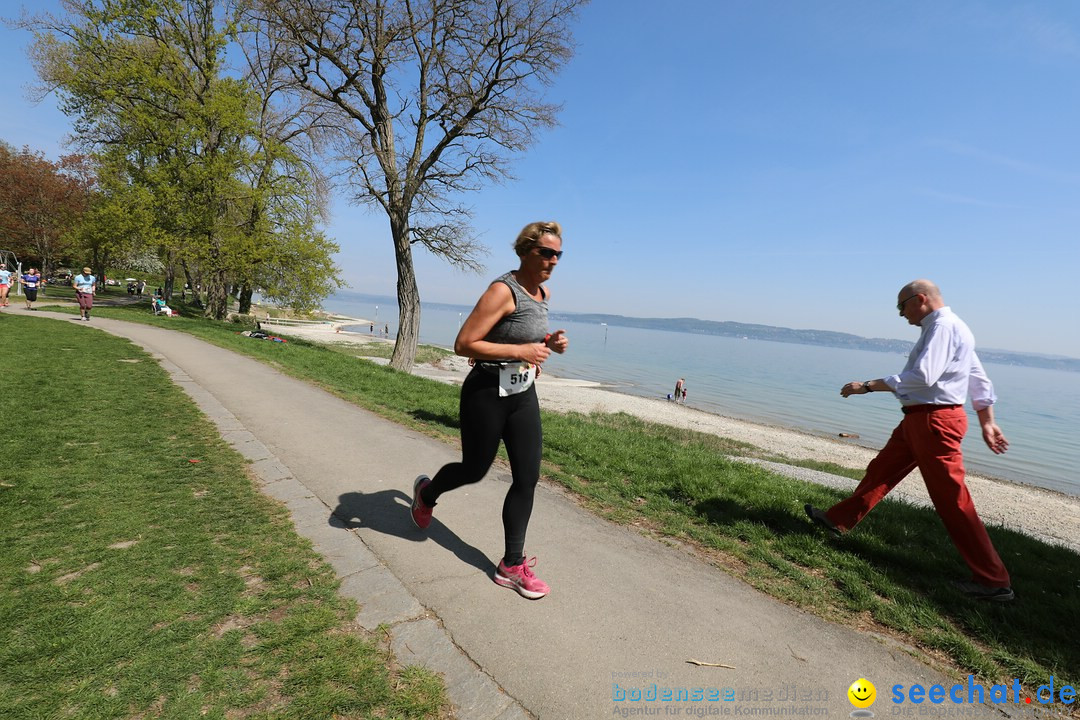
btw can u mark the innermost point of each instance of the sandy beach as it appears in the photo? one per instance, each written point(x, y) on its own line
point(1049, 516)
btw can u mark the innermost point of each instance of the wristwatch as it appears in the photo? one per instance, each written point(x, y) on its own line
point(866, 384)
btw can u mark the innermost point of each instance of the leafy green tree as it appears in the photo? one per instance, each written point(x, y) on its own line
point(428, 100)
point(120, 220)
point(148, 84)
point(289, 258)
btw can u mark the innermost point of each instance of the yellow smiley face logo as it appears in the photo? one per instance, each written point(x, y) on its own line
point(862, 693)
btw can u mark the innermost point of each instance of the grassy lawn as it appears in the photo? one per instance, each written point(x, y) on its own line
point(143, 575)
point(890, 576)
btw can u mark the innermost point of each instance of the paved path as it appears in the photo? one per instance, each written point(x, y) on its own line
point(625, 611)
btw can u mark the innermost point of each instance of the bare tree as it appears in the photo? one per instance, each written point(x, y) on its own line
point(430, 97)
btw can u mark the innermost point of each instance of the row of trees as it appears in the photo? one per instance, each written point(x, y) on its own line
point(211, 125)
point(41, 204)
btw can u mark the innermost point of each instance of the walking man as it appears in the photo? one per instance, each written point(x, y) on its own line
point(941, 372)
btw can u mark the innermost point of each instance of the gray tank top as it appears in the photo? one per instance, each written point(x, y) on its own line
point(528, 321)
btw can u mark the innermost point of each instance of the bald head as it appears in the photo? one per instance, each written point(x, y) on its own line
point(923, 287)
point(918, 299)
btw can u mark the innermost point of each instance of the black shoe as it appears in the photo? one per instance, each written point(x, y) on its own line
point(819, 517)
point(982, 592)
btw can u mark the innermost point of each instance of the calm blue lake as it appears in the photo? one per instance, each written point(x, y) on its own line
point(796, 386)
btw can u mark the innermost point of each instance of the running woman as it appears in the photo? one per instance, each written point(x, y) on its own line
point(506, 335)
point(31, 281)
point(84, 285)
point(5, 284)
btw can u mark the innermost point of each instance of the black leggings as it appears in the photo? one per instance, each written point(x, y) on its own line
point(487, 418)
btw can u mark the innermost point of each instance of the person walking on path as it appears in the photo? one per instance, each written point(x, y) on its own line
point(31, 281)
point(5, 284)
point(941, 372)
point(85, 284)
point(506, 336)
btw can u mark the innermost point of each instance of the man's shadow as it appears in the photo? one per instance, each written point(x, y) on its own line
point(387, 511)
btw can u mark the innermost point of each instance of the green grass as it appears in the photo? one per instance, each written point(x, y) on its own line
point(143, 575)
point(890, 575)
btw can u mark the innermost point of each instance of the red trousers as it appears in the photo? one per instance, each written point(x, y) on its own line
point(930, 440)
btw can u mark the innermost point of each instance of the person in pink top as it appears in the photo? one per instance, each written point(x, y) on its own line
point(942, 371)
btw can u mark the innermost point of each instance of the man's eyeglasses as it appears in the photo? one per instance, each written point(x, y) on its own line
point(900, 305)
point(548, 253)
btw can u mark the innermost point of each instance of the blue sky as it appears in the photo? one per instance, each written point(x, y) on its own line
point(787, 163)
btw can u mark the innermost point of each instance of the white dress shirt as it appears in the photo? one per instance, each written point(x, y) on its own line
point(943, 368)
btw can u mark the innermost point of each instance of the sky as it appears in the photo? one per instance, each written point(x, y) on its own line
point(780, 162)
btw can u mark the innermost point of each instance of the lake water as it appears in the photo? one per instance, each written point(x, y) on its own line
point(796, 386)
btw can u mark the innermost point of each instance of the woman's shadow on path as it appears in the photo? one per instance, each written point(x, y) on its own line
point(387, 512)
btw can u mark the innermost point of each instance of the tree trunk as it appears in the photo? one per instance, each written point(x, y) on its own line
point(246, 291)
point(170, 281)
point(217, 299)
point(196, 300)
point(408, 296)
point(98, 262)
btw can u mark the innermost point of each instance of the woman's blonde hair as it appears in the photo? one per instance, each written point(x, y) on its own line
point(530, 235)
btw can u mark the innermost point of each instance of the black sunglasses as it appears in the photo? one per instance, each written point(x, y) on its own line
point(547, 253)
point(900, 305)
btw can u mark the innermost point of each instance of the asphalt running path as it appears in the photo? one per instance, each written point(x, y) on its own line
point(625, 612)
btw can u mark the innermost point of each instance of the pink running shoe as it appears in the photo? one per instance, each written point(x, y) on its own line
point(521, 578)
point(421, 513)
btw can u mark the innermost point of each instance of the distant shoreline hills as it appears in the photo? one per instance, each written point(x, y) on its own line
point(827, 338)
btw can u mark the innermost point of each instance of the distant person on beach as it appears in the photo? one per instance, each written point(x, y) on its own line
point(941, 372)
point(31, 281)
point(506, 336)
point(683, 394)
point(5, 284)
point(85, 284)
point(678, 389)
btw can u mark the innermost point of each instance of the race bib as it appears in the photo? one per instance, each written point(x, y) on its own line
point(516, 378)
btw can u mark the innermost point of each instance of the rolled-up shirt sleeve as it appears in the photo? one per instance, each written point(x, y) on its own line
point(980, 389)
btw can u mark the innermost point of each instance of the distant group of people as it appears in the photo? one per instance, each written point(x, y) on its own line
point(31, 280)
